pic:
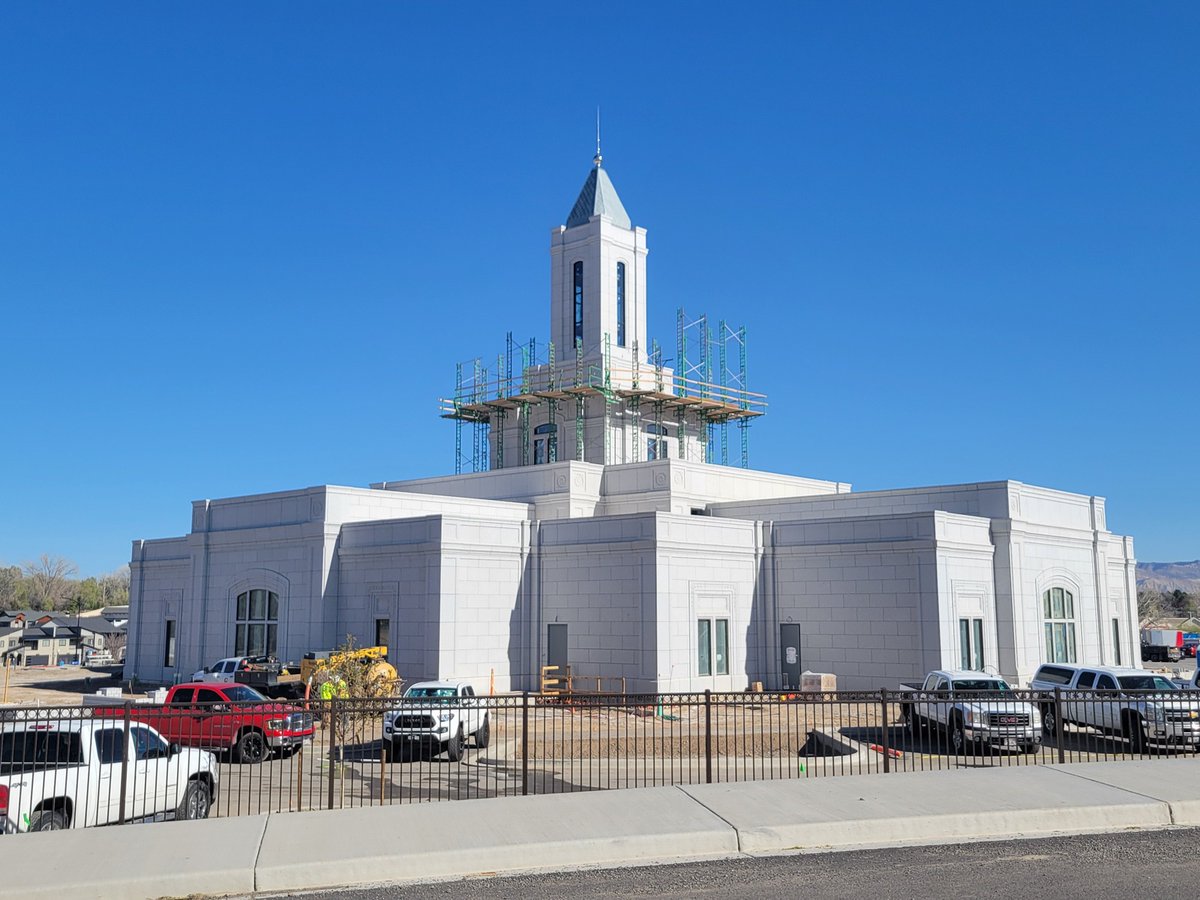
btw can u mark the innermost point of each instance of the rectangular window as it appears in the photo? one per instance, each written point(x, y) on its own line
point(169, 645)
point(970, 644)
point(256, 640)
point(258, 604)
point(110, 745)
point(539, 451)
point(578, 277)
point(383, 632)
point(722, 646)
point(1117, 641)
point(239, 641)
point(1053, 675)
point(620, 304)
point(1060, 641)
point(710, 659)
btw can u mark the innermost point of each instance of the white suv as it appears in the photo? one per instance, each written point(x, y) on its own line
point(436, 716)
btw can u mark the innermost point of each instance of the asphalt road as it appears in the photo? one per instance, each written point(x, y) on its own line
point(1131, 864)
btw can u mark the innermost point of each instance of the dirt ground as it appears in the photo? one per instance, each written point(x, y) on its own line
point(564, 730)
point(58, 686)
point(744, 729)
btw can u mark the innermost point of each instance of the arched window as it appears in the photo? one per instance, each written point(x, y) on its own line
point(578, 302)
point(1058, 610)
point(257, 623)
point(545, 449)
point(620, 304)
point(656, 442)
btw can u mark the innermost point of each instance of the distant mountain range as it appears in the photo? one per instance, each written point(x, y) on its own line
point(1174, 576)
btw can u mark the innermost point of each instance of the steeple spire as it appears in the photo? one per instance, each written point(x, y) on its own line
point(598, 196)
point(597, 159)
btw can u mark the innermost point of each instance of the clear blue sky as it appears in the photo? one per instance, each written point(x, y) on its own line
point(243, 245)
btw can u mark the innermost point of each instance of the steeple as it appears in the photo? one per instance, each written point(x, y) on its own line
point(598, 198)
point(598, 274)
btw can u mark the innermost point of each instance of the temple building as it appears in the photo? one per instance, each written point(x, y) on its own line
point(603, 517)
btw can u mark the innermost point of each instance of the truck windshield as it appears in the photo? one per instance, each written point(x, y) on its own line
point(24, 751)
point(1145, 683)
point(441, 693)
point(981, 684)
point(239, 693)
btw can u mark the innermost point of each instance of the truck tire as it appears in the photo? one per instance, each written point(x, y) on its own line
point(1049, 720)
point(1134, 732)
point(196, 801)
point(915, 725)
point(484, 735)
point(251, 747)
point(456, 746)
point(958, 737)
point(48, 820)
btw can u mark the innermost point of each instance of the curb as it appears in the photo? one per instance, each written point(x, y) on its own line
point(484, 837)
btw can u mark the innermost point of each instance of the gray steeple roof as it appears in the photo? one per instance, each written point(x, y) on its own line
point(598, 198)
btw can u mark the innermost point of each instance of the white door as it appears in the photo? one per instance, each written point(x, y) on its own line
point(152, 782)
point(109, 749)
point(1108, 716)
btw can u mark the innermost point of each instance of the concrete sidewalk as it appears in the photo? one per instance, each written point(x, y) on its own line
point(339, 848)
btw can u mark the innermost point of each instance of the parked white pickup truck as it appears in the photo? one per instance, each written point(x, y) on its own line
point(220, 672)
point(1142, 707)
point(68, 775)
point(435, 716)
point(971, 709)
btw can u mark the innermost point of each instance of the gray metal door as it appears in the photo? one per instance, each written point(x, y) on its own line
point(556, 649)
point(789, 655)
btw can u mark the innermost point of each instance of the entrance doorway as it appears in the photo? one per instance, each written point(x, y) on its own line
point(789, 655)
point(556, 649)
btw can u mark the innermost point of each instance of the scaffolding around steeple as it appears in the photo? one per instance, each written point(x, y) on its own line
point(610, 412)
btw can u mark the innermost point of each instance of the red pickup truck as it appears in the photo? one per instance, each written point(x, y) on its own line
point(224, 717)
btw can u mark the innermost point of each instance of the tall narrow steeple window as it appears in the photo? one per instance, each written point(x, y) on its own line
point(578, 302)
point(620, 304)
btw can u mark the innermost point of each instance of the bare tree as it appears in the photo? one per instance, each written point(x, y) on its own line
point(115, 644)
point(1150, 605)
point(12, 590)
point(49, 577)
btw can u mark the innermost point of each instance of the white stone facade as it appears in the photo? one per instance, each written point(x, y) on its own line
point(652, 575)
point(630, 558)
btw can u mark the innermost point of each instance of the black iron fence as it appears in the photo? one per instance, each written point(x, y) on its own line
point(135, 761)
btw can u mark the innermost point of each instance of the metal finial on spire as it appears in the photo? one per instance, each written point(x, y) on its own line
point(598, 158)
